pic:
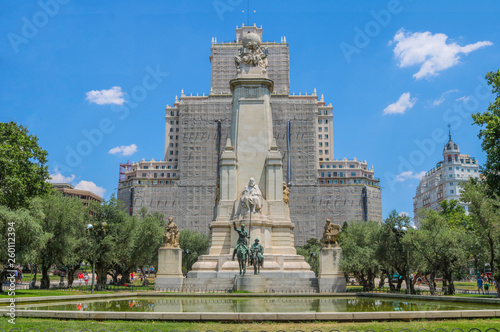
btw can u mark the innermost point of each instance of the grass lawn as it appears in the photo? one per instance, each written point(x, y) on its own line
point(77, 325)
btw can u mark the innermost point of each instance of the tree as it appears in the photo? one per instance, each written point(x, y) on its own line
point(20, 226)
point(491, 135)
point(149, 238)
point(193, 245)
point(23, 173)
point(392, 253)
point(359, 252)
point(62, 221)
point(439, 244)
point(310, 251)
point(485, 220)
point(109, 238)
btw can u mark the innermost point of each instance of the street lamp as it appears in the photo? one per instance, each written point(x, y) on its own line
point(96, 230)
point(400, 232)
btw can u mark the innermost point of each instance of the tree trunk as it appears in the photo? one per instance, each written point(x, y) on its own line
point(71, 274)
point(101, 278)
point(45, 282)
point(451, 287)
point(431, 283)
point(382, 280)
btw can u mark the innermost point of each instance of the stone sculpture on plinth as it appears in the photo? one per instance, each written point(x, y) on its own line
point(330, 278)
point(169, 274)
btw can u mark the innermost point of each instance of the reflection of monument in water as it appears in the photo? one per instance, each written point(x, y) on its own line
point(251, 180)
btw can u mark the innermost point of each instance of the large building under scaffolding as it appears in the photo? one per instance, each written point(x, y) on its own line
point(185, 183)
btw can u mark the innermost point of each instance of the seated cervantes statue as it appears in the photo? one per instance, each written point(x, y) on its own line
point(251, 197)
point(330, 235)
point(171, 238)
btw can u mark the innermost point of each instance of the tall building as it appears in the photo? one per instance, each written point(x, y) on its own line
point(443, 181)
point(185, 183)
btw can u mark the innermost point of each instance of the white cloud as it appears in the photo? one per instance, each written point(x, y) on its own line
point(404, 102)
point(90, 186)
point(409, 175)
point(441, 99)
point(463, 99)
point(404, 214)
point(431, 51)
point(57, 177)
point(104, 97)
point(124, 150)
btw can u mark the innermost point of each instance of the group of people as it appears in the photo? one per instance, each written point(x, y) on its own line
point(83, 277)
point(484, 282)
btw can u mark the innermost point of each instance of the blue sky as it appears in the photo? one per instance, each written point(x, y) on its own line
point(91, 78)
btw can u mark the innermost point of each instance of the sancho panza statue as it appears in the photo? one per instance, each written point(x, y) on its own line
point(171, 239)
point(330, 235)
point(251, 197)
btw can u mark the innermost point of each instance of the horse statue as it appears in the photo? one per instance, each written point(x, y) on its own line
point(242, 255)
point(256, 256)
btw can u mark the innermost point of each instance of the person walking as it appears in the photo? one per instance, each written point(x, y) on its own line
point(86, 279)
point(479, 285)
point(80, 278)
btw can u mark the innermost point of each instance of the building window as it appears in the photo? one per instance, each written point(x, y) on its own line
point(325, 112)
point(326, 151)
point(145, 167)
point(342, 175)
point(353, 173)
point(320, 136)
point(320, 129)
point(163, 167)
point(326, 143)
point(340, 166)
point(320, 151)
point(321, 166)
point(171, 129)
point(451, 183)
point(450, 168)
point(326, 121)
point(320, 144)
point(322, 174)
point(326, 136)
point(144, 175)
point(449, 159)
point(326, 129)
point(327, 166)
point(320, 121)
point(351, 166)
point(155, 175)
point(334, 173)
point(335, 181)
point(451, 191)
point(334, 166)
point(168, 175)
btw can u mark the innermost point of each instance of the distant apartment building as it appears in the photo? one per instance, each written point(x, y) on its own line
point(70, 191)
point(443, 181)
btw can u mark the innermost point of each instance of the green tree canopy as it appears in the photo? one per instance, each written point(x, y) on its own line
point(359, 252)
point(193, 245)
point(23, 173)
point(490, 134)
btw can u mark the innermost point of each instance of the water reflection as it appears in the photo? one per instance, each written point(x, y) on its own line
point(291, 304)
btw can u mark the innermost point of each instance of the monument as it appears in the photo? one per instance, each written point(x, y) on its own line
point(330, 278)
point(252, 161)
point(169, 274)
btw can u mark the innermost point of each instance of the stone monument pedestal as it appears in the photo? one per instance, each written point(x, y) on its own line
point(330, 278)
point(169, 274)
point(250, 283)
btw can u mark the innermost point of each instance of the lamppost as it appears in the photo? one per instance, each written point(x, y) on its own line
point(185, 261)
point(400, 232)
point(97, 230)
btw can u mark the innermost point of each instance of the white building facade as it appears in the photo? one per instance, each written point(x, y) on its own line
point(443, 181)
